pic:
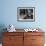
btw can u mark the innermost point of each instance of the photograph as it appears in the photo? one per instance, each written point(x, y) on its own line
point(26, 14)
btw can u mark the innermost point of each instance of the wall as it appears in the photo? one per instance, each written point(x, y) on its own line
point(9, 13)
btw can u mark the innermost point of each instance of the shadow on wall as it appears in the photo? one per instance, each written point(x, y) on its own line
point(2, 26)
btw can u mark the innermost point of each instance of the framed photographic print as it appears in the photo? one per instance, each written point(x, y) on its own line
point(26, 14)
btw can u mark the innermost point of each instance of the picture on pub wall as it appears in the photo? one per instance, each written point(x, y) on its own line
point(26, 14)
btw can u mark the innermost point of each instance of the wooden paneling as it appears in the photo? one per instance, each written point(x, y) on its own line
point(27, 41)
point(23, 39)
point(13, 39)
point(34, 39)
